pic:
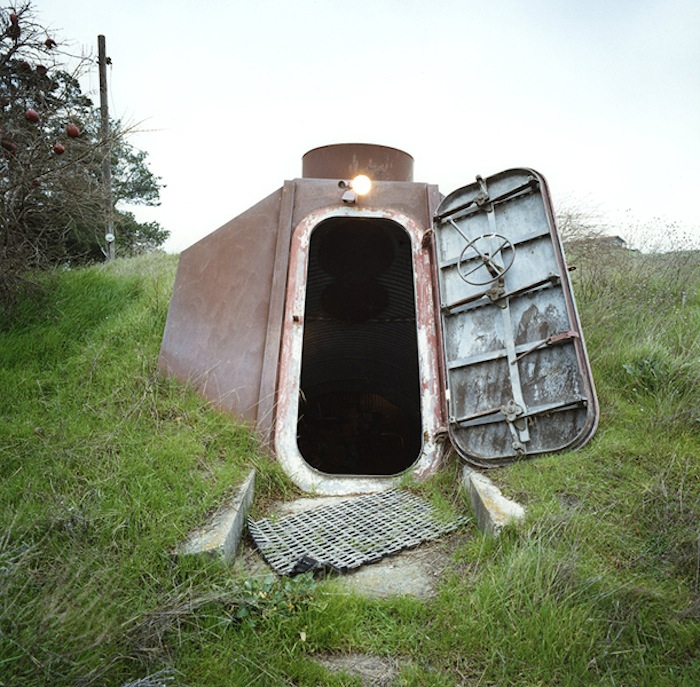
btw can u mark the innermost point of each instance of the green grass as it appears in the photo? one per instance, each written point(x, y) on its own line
point(105, 466)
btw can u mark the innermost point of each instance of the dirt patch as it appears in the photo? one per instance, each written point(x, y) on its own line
point(374, 671)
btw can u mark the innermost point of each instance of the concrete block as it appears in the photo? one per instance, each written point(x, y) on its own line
point(491, 508)
point(221, 536)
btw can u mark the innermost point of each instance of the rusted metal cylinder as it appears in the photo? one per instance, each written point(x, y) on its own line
point(347, 160)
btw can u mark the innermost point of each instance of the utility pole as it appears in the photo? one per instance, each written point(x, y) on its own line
point(106, 147)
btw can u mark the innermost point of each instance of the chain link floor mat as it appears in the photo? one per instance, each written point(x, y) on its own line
point(350, 533)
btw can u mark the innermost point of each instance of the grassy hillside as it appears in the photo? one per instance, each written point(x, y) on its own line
point(105, 467)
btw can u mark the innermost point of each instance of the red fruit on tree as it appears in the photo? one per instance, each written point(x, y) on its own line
point(31, 116)
point(59, 149)
point(73, 131)
point(9, 149)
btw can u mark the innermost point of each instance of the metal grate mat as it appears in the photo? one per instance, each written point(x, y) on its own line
point(350, 533)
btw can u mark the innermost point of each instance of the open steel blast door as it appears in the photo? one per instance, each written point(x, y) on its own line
point(518, 378)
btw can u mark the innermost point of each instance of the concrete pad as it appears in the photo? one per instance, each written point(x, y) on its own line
point(221, 536)
point(345, 535)
point(491, 509)
point(412, 572)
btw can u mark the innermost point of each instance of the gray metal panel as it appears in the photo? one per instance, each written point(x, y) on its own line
point(517, 372)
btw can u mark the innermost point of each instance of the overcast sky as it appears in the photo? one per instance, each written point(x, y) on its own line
point(601, 96)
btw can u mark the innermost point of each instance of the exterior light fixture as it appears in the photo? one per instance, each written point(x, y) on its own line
point(359, 186)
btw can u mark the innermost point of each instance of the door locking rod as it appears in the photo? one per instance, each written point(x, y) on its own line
point(554, 339)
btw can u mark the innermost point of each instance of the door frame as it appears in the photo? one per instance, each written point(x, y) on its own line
point(287, 406)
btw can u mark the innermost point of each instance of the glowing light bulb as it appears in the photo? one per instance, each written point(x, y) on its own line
point(361, 184)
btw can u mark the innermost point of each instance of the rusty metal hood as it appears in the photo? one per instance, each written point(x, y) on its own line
point(518, 377)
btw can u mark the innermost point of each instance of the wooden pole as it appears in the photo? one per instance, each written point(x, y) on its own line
point(106, 147)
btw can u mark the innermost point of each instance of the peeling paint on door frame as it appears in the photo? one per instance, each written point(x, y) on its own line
point(286, 449)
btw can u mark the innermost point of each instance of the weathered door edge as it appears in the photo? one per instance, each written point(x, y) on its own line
point(581, 349)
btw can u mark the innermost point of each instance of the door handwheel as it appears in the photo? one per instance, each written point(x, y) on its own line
point(479, 250)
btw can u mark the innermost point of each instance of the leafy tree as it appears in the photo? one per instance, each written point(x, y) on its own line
point(53, 204)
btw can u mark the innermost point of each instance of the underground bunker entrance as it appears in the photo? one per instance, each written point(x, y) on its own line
point(359, 408)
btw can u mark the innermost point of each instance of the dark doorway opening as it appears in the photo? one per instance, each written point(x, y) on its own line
point(359, 411)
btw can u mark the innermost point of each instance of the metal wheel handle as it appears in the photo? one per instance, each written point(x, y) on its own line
point(484, 257)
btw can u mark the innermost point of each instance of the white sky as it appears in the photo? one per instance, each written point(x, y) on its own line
point(601, 96)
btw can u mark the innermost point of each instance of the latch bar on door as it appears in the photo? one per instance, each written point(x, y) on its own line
point(516, 243)
point(478, 205)
point(493, 415)
point(521, 351)
point(477, 359)
point(550, 280)
point(554, 339)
